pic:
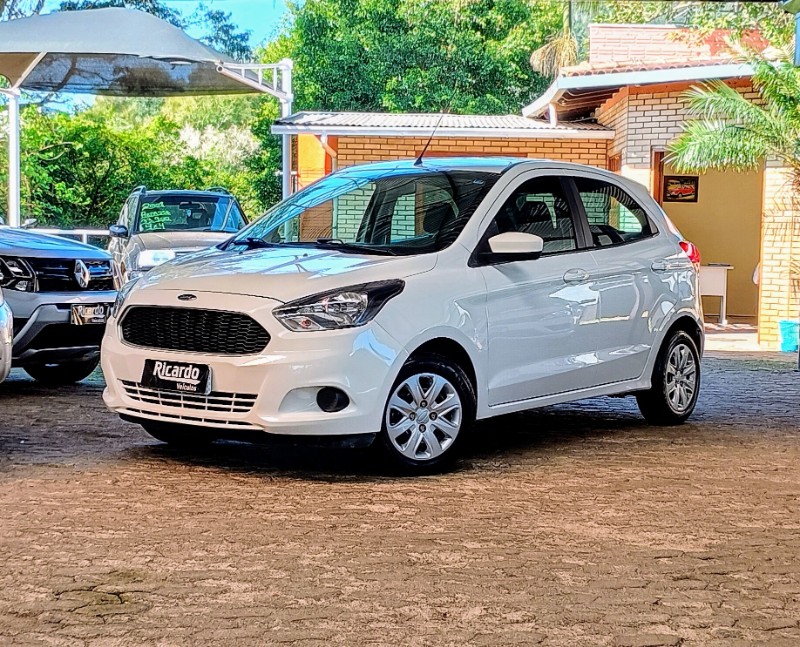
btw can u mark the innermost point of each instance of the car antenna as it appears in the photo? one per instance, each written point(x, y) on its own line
point(436, 127)
point(430, 139)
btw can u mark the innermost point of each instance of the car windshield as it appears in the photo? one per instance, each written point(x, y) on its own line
point(396, 211)
point(189, 213)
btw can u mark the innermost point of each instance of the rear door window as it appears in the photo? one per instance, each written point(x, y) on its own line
point(614, 216)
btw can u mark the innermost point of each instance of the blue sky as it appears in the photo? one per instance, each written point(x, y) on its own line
point(261, 17)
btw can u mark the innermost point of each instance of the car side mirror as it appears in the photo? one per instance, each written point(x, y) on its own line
point(118, 231)
point(513, 246)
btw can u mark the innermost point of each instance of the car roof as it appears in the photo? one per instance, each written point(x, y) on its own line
point(481, 164)
point(484, 164)
point(187, 193)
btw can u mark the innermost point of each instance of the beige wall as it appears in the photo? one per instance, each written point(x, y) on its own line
point(312, 162)
point(725, 224)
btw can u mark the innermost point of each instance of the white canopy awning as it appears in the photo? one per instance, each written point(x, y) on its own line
point(121, 52)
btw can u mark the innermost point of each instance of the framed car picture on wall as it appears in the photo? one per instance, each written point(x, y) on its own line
point(680, 188)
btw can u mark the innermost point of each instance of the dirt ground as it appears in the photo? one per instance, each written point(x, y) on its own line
point(573, 526)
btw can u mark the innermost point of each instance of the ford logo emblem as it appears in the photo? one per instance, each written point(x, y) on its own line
point(187, 297)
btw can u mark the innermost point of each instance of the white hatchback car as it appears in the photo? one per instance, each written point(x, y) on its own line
point(406, 301)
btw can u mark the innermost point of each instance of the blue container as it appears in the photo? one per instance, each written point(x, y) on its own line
point(788, 333)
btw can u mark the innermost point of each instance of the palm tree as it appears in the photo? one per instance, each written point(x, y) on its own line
point(562, 48)
point(731, 132)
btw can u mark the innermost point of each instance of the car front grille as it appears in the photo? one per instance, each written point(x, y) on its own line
point(214, 332)
point(58, 275)
point(216, 401)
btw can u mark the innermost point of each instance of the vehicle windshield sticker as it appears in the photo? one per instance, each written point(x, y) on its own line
point(154, 216)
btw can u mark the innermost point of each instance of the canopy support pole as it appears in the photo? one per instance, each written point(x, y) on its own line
point(13, 94)
point(13, 158)
point(286, 148)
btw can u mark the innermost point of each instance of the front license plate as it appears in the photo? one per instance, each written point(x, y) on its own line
point(177, 376)
point(93, 313)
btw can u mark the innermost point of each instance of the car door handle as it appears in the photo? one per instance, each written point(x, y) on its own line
point(658, 266)
point(576, 275)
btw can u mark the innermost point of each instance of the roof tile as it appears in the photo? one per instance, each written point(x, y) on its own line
point(423, 121)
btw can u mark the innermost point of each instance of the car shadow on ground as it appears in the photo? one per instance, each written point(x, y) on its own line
point(493, 444)
point(85, 431)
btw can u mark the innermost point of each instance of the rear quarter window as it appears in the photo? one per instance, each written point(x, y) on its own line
point(614, 216)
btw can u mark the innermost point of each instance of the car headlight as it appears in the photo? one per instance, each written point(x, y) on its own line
point(16, 274)
point(123, 293)
point(150, 258)
point(343, 308)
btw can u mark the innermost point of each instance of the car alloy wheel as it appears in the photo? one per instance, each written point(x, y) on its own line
point(681, 378)
point(424, 416)
point(675, 384)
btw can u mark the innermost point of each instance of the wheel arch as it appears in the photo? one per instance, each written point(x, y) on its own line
point(452, 350)
point(690, 326)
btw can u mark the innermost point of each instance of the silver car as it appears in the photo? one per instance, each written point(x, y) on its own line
point(60, 293)
point(6, 337)
point(156, 226)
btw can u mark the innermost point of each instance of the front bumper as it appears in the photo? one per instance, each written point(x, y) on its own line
point(274, 391)
point(6, 340)
point(44, 333)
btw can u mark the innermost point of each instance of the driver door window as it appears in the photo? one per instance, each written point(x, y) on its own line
point(540, 207)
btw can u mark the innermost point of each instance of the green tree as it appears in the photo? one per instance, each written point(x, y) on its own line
point(10, 9)
point(417, 55)
point(77, 169)
point(265, 164)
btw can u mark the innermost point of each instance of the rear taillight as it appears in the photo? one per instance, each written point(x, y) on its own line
point(690, 249)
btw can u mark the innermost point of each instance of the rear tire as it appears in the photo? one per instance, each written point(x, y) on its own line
point(430, 409)
point(675, 384)
point(60, 374)
point(185, 438)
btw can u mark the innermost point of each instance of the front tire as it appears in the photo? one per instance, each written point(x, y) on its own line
point(64, 373)
point(675, 384)
point(430, 410)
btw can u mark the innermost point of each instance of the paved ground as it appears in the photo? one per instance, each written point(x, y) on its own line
point(574, 526)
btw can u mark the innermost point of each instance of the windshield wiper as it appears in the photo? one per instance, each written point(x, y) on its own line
point(338, 243)
point(254, 243)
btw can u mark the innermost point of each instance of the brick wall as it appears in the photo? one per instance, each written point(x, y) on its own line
point(779, 285)
point(616, 44)
point(349, 210)
point(360, 150)
point(614, 114)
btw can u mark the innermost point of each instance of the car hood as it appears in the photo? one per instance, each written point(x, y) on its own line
point(276, 273)
point(182, 240)
point(28, 244)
